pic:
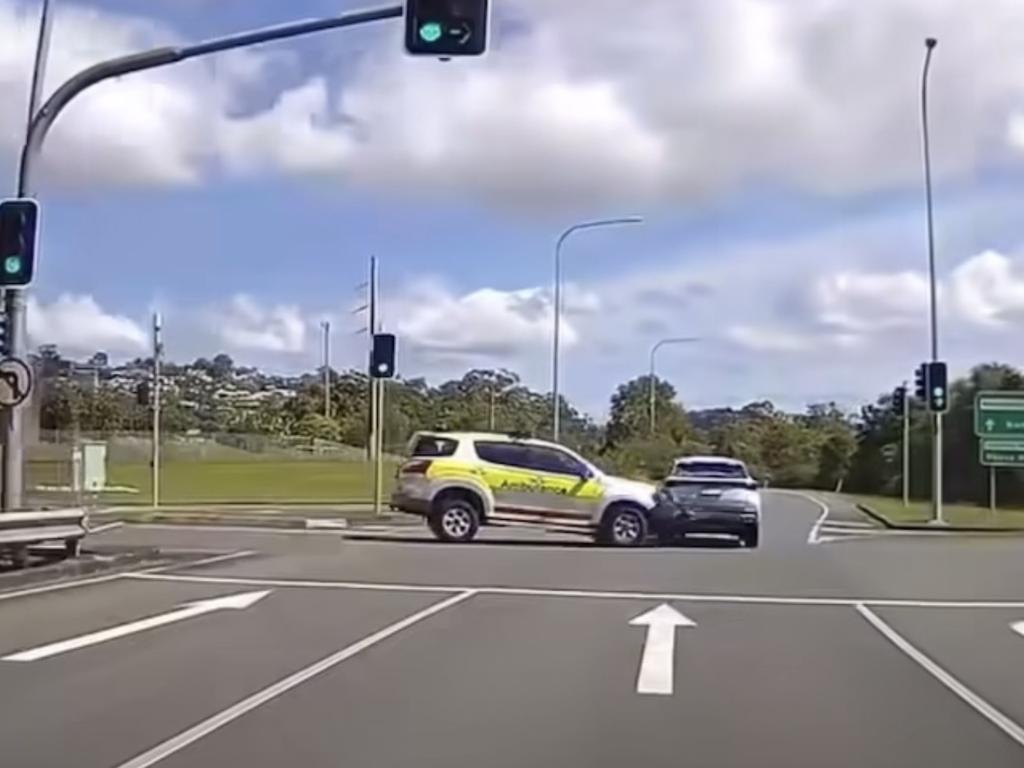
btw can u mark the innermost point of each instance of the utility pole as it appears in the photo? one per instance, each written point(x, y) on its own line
point(906, 444)
point(158, 349)
point(326, 327)
point(651, 382)
point(937, 517)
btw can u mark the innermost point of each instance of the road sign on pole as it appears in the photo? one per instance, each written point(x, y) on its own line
point(15, 383)
point(1001, 453)
point(999, 414)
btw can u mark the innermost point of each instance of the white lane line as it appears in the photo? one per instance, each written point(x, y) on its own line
point(256, 530)
point(219, 720)
point(986, 710)
point(43, 588)
point(1018, 627)
point(199, 563)
point(580, 593)
point(62, 585)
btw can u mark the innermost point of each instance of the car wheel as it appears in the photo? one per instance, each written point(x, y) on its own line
point(625, 526)
point(751, 538)
point(456, 519)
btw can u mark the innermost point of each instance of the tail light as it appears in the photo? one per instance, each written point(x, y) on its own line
point(418, 467)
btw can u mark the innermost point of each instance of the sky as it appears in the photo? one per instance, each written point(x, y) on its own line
point(772, 147)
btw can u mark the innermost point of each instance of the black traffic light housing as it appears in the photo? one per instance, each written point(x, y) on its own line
point(921, 382)
point(899, 399)
point(446, 28)
point(19, 227)
point(938, 389)
point(382, 356)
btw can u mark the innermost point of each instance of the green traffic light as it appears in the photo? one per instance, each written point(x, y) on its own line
point(12, 265)
point(431, 32)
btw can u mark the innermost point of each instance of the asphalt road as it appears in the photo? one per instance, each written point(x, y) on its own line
point(833, 644)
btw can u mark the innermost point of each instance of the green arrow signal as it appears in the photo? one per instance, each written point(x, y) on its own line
point(12, 265)
point(431, 32)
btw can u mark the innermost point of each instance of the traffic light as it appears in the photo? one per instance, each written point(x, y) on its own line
point(5, 336)
point(382, 357)
point(899, 399)
point(921, 382)
point(19, 220)
point(938, 396)
point(446, 28)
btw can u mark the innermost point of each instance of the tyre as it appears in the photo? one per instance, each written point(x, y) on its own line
point(625, 525)
point(455, 518)
point(751, 538)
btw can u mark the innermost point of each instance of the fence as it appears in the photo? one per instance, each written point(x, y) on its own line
point(205, 469)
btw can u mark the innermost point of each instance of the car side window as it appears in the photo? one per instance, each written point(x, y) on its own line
point(506, 454)
point(554, 461)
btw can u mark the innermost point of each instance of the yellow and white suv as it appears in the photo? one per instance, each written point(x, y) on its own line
point(459, 481)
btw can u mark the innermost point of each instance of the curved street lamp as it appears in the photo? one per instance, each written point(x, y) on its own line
point(654, 350)
point(558, 303)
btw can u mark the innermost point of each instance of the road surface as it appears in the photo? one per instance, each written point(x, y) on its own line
point(833, 644)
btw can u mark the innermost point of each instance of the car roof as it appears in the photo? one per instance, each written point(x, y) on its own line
point(488, 437)
point(711, 459)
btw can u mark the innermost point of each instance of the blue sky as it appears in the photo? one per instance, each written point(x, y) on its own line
point(773, 152)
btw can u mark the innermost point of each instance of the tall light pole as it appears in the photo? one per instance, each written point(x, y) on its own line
point(158, 350)
point(325, 326)
point(937, 518)
point(654, 350)
point(556, 417)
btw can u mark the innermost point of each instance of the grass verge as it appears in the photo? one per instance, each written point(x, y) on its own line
point(964, 516)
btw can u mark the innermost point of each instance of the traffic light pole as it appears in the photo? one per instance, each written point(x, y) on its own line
point(937, 517)
point(906, 445)
point(38, 128)
point(158, 349)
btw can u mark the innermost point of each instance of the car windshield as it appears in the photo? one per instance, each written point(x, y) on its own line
point(687, 489)
point(721, 469)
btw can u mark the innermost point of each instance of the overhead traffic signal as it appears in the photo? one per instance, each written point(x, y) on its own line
point(921, 382)
point(446, 28)
point(382, 356)
point(19, 226)
point(938, 396)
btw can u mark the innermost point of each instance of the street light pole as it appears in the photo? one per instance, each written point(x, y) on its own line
point(158, 350)
point(556, 410)
point(937, 517)
point(654, 350)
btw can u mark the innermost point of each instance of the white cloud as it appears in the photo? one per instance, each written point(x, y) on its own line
point(858, 302)
point(248, 325)
point(988, 289)
point(78, 325)
point(585, 103)
point(767, 339)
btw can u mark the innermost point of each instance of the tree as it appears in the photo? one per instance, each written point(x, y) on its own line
point(222, 366)
point(630, 413)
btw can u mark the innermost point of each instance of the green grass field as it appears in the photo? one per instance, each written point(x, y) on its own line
point(226, 482)
point(957, 515)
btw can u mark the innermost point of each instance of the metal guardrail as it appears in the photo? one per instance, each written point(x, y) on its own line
point(19, 530)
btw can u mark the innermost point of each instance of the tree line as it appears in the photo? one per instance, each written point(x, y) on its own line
point(824, 447)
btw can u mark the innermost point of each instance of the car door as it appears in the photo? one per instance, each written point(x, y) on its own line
point(568, 488)
point(514, 484)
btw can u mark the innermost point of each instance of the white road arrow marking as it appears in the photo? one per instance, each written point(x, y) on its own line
point(189, 610)
point(1018, 627)
point(656, 665)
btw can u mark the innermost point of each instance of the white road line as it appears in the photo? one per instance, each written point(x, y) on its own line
point(219, 720)
point(580, 593)
point(59, 586)
point(264, 530)
point(993, 715)
point(43, 588)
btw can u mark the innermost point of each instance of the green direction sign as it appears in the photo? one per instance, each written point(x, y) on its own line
point(1002, 453)
point(999, 414)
